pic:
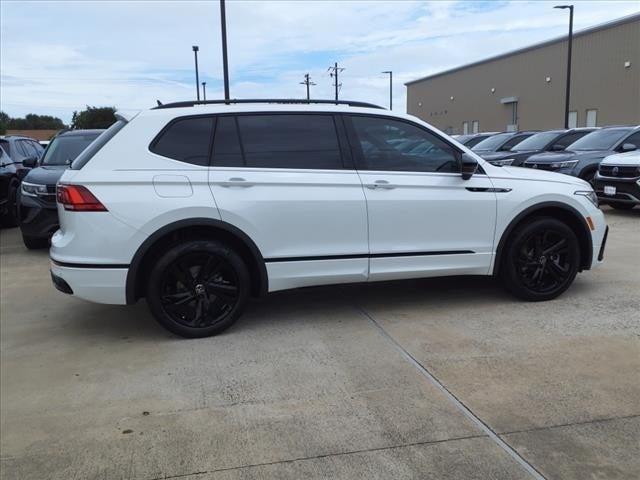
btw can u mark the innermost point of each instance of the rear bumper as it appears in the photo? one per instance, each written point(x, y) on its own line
point(96, 283)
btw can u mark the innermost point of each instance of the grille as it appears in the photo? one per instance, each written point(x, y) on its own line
point(539, 166)
point(619, 171)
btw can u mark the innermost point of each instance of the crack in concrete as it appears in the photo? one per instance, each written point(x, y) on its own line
point(326, 455)
point(560, 425)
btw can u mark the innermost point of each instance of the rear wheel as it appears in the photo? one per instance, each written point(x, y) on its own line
point(622, 206)
point(541, 259)
point(198, 288)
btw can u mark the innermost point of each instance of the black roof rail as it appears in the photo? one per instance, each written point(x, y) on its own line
point(266, 100)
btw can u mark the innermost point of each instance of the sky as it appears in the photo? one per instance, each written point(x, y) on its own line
point(59, 56)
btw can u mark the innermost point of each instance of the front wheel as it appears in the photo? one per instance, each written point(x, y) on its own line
point(541, 259)
point(622, 206)
point(10, 218)
point(198, 288)
point(34, 243)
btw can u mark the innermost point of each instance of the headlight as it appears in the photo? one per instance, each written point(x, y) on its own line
point(502, 163)
point(33, 189)
point(567, 164)
point(590, 194)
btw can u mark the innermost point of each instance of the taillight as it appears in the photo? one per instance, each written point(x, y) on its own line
point(78, 198)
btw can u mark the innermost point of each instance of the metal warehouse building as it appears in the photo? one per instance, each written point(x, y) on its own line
point(525, 89)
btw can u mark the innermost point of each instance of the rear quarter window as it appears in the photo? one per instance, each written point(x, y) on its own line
point(186, 140)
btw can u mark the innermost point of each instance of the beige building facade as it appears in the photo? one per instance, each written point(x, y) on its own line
point(525, 89)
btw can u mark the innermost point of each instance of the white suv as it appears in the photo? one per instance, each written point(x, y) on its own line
point(198, 207)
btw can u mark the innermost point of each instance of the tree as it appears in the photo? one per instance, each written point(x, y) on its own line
point(30, 122)
point(94, 117)
point(4, 122)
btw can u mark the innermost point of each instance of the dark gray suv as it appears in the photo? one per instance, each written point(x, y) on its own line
point(581, 158)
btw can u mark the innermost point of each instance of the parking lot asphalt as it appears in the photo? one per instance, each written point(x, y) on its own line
point(439, 378)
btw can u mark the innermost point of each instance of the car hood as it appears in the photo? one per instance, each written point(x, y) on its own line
point(522, 173)
point(631, 159)
point(550, 157)
point(48, 175)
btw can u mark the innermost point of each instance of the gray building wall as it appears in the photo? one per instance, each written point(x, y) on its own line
point(599, 81)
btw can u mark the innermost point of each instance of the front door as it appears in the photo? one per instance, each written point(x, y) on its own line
point(424, 219)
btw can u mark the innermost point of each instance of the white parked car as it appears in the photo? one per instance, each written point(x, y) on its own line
point(198, 207)
point(617, 182)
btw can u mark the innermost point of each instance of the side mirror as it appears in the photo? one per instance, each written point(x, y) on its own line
point(557, 148)
point(469, 166)
point(628, 147)
point(30, 162)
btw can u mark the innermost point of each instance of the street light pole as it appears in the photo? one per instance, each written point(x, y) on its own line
point(570, 44)
point(195, 54)
point(204, 91)
point(390, 88)
point(225, 63)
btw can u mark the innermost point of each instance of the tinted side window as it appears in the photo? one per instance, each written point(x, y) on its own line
point(388, 144)
point(634, 139)
point(514, 141)
point(20, 149)
point(226, 146)
point(567, 140)
point(186, 140)
point(290, 141)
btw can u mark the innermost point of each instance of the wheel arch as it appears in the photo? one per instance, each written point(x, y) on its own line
point(558, 210)
point(193, 228)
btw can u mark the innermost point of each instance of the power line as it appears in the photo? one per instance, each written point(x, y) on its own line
point(333, 72)
point(307, 82)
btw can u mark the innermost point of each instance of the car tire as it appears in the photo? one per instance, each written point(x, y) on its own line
point(589, 176)
point(198, 288)
point(10, 218)
point(541, 259)
point(35, 243)
point(622, 206)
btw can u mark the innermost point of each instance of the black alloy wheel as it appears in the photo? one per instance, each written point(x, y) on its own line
point(198, 289)
point(542, 259)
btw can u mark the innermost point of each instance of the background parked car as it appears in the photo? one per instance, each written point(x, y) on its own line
point(618, 180)
point(501, 142)
point(37, 201)
point(581, 159)
point(472, 139)
point(551, 141)
point(17, 154)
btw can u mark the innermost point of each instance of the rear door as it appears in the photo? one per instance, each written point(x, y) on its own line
point(287, 181)
point(424, 219)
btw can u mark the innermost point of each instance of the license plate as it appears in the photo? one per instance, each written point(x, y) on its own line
point(609, 190)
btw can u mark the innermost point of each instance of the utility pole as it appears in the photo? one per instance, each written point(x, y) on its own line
point(333, 72)
point(225, 63)
point(204, 91)
point(570, 42)
point(390, 88)
point(195, 54)
point(307, 82)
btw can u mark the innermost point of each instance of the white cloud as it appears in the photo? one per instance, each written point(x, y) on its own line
point(60, 56)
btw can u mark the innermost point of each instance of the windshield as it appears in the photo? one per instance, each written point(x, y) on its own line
point(600, 139)
point(536, 142)
point(493, 143)
point(65, 148)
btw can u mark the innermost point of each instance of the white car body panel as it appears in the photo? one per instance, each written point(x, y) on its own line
point(631, 159)
point(294, 215)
